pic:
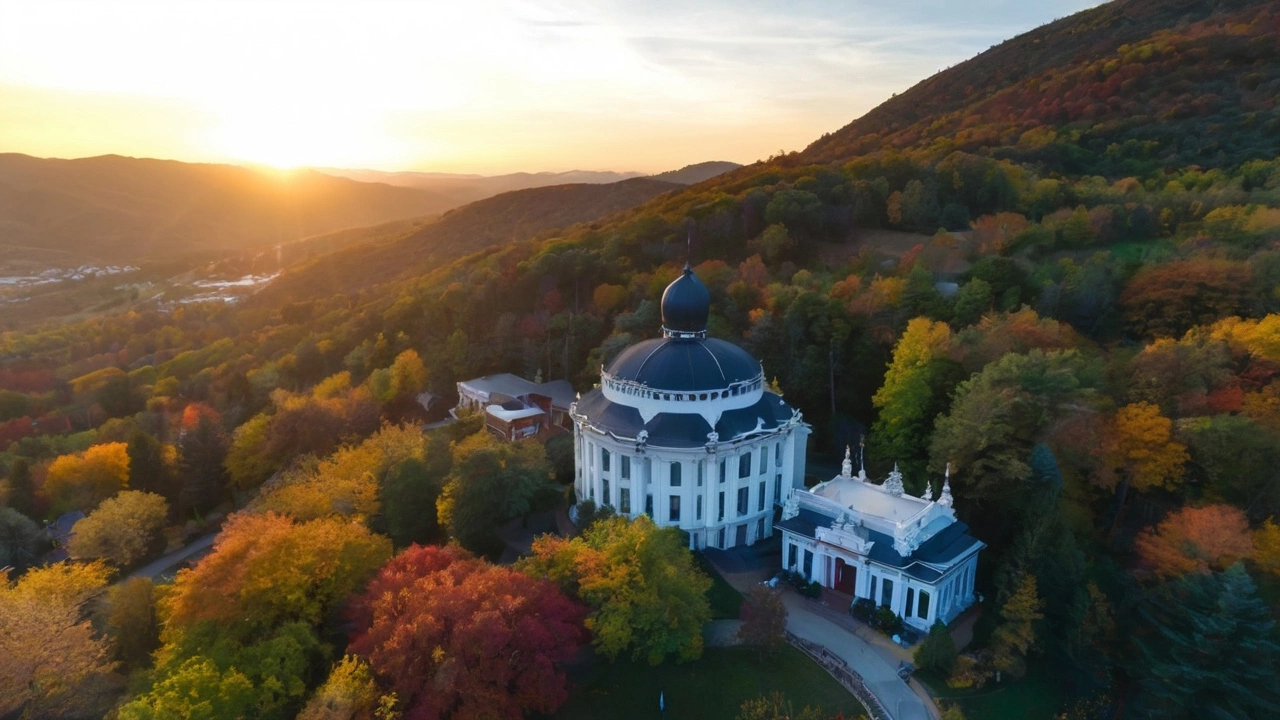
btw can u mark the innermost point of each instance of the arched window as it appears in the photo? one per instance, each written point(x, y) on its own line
point(675, 474)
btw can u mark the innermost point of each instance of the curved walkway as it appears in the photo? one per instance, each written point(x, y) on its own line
point(878, 672)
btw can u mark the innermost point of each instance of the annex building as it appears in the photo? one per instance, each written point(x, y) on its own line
point(877, 541)
point(681, 428)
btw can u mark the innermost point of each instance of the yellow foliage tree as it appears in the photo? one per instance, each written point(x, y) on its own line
point(52, 663)
point(83, 480)
point(1141, 448)
point(1266, 547)
point(121, 529)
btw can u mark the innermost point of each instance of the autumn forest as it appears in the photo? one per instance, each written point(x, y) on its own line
point(1054, 268)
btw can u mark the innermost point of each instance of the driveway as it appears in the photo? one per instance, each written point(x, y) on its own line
point(879, 670)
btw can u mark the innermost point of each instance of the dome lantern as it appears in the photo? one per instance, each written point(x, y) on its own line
point(686, 304)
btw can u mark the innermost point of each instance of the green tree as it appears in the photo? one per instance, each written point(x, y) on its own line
point(197, 690)
point(129, 618)
point(248, 463)
point(915, 390)
point(938, 651)
point(22, 493)
point(648, 598)
point(409, 494)
point(777, 706)
point(148, 470)
point(1206, 646)
point(201, 452)
point(972, 301)
point(1014, 637)
point(21, 540)
point(490, 482)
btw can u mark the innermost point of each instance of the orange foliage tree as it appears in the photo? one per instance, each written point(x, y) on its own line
point(268, 569)
point(1195, 540)
point(1167, 300)
point(457, 637)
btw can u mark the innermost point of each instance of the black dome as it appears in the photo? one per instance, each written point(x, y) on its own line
point(684, 364)
point(686, 303)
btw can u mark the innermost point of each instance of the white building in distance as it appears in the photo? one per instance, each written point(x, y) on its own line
point(682, 429)
point(876, 541)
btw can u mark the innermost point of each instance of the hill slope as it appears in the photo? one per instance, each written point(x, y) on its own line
point(462, 188)
point(506, 218)
point(118, 209)
point(1121, 88)
point(694, 174)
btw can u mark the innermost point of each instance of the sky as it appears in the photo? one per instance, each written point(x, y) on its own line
point(480, 86)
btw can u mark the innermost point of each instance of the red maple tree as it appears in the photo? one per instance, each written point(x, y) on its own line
point(456, 637)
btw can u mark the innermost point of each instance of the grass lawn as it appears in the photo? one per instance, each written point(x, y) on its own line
point(725, 601)
point(711, 688)
point(1035, 697)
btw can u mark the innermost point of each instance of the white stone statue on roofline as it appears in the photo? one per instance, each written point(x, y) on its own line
point(846, 467)
point(893, 484)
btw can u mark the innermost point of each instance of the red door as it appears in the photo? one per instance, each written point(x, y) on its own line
point(846, 575)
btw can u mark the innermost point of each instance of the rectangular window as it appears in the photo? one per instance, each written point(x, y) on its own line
point(722, 462)
point(743, 494)
point(791, 556)
point(777, 454)
point(760, 502)
point(604, 460)
point(910, 607)
point(777, 488)
point(886, 592)
point(674, 514)
point(604, 500)
point(699, 508)
point(924, 605)
point(760, 529)
point(624, 501)
point(675, 474)
point(744, 465)
point(808, 564)
point(648, 505)
point(872, 594)
point(721, 517)
point(764, 460)
point(626, 467)
point(700, 472)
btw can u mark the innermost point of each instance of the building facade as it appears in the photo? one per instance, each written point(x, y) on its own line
point(878, 542)
point(683, 429)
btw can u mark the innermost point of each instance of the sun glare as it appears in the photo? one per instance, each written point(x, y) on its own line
point(288, 138)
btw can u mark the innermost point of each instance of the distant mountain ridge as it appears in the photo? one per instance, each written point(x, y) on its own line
point(120, 209)
point(467, 188)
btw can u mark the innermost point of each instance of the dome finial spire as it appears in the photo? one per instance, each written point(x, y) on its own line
point(686, 305)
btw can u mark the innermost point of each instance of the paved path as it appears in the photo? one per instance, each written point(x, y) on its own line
point(877, 666)
point(174, 559)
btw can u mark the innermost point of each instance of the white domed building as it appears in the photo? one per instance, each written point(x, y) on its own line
point(682, 429)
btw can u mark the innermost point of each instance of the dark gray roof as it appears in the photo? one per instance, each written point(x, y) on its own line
point(683, 364)
point(947, 545)
point(682, 430)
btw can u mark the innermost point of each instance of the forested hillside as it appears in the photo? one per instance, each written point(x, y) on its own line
point(1088, 332)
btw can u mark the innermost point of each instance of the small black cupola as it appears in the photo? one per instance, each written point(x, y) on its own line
point(686, 303)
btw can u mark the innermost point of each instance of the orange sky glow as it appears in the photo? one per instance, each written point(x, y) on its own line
point(484, 86)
